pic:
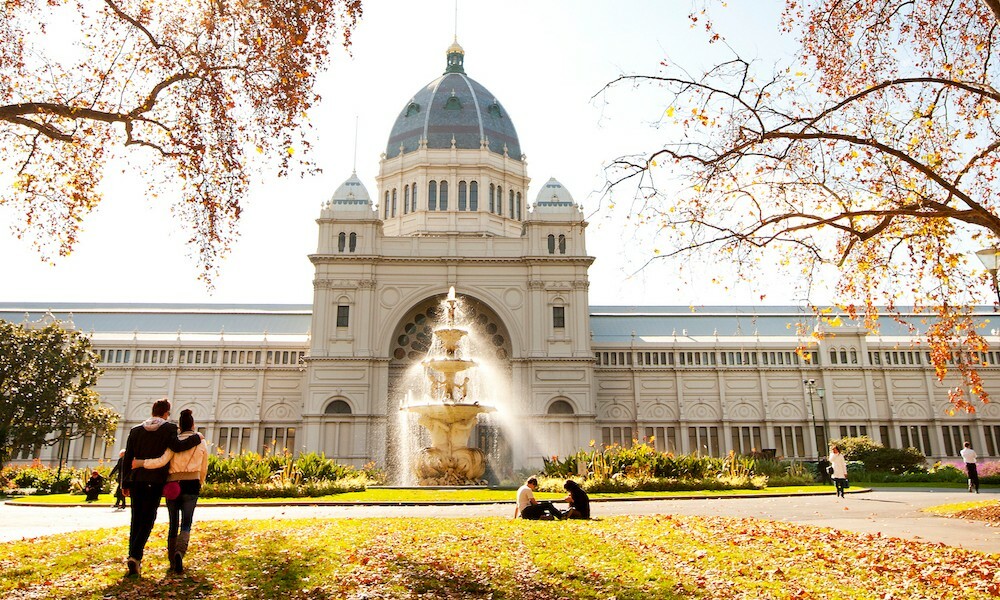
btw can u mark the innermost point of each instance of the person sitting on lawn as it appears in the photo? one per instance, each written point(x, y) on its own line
point(532, 509)
point(93, 487)
point(579, 501)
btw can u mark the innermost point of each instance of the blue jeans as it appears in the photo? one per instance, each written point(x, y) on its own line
point(181, 512)
point(841, 484)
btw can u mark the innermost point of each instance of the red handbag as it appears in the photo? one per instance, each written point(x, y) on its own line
point(172, 490)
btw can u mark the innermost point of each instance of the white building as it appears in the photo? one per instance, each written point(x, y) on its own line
point(451, 209)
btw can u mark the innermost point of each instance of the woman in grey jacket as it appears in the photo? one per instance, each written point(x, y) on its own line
point(187, 470)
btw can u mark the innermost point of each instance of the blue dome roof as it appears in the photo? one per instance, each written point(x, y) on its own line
point(453, 107)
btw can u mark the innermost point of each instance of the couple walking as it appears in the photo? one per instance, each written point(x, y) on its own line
point(161, 461)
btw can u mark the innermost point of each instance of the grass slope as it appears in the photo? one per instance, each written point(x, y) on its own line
point(621, 557)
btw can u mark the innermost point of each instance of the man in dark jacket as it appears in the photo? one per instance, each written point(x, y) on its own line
point(145, 486)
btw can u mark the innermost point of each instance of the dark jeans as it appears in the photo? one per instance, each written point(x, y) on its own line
point(119, 497)
point(145, 500)
point(533, 511)
point(841, 484)
point(181, 512)
point(973, 476)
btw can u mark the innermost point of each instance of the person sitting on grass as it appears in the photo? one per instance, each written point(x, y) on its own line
point(93, 487)
point(532, 509)
point(579, 501)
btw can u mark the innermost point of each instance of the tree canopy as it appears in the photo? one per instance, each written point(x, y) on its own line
point(46, 379)
point(190, 93)
point(875, 151)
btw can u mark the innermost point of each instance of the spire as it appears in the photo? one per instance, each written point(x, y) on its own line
point(456, 56)
point(354, 168)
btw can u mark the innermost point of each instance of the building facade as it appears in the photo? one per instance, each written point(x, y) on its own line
point(451, 209)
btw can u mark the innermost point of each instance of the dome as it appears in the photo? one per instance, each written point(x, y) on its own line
point(351, 192)
point(553, 195)
point(453, 108)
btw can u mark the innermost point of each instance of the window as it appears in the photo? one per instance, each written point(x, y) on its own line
point(234, 440)
point(443, 197)
point(789, 442)
point(955, 437)
point(562, 241)
point(853, 430)
point(393, 202)
point(493, 205)
point(341, 241)
point(473, 196)
point(518, 204)
point(277, 440)
point(406, 199)
point(413, 199)
point(883, 433)
point(704, 441)
point(499, 200)
point(338, 407)
point(462, 193)
point(747, 440)
point(385, 206)
point(992, 435)
point(916, 436)
point(559, 317)
point(94, 446)
point(560, 407)
point(432, 196)
point(511, 213)
point(552, 244)
point(354, 242)
point(343, 315)
point(621, 436)
point(663, 439)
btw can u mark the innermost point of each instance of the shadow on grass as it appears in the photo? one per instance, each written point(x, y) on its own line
point(192, 585)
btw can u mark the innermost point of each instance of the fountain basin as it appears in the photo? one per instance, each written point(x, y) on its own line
point(449, 461)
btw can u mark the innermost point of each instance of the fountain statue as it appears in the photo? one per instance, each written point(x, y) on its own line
point(446, 413)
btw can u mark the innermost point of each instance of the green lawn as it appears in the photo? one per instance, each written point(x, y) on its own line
point(620, 557)
point(418, 495)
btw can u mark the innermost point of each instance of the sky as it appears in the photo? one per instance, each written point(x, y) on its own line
point(544, 61)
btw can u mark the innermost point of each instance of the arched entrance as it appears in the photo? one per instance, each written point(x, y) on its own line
point(490, 347)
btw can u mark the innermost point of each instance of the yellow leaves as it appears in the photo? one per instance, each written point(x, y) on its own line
point(670, 111)
point(834, 322)
point(290, 150)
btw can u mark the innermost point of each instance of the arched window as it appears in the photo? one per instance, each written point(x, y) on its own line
point(406, 199)
point(493, 206)
point(354, 241)
point(511, 212)
point(341, 241)
point(339, 407)
point(552, 244)
point(562, 244)
point(432, 196)
point(394, 202)
point(462, 195)
point(833, 357)
point(443, 199)
point(519, 207)
point(413, 199)
point(499, 200)
point(473, 196)
point(386, 205)
point(560, 407)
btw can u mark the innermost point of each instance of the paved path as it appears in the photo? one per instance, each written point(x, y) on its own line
point(890, 511)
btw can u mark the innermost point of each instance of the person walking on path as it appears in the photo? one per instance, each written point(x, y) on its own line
point(145, 486)
point(839, 465)
point(532, 509)
point(969, 456)
point(188, 470)
point(116, 476)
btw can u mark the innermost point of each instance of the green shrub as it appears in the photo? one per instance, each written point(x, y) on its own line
point(274, 490)
point(878, 458)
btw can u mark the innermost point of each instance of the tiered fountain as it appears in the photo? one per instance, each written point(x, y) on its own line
point(446, 412)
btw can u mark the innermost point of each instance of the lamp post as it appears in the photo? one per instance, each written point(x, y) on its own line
point(989, 258)
point(818, 391)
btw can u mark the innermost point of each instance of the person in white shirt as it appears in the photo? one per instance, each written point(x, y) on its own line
point(532, 509)
point(969, 456)
point(839, 465)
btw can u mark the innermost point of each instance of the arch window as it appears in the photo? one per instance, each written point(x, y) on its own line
point(385, 206)
point(562, 243)
point(432, 195)
point(473, 195)
point(354, 242)
point(499, 200)
point(552, 244)
point(493, 206)
point(394, 202)
point(560, 407)
point(443, 198)
point(511, 212)
point(341, 241)
point(338, 407)
point(413, 198)
point(519, 208)
point(463, 191)
point(406, 199)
